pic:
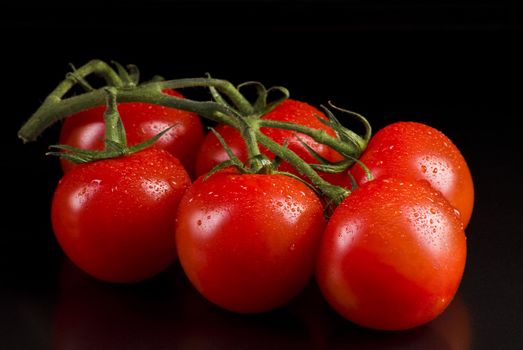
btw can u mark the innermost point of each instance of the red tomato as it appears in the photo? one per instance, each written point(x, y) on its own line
point(142, 121)
point(248, 243)
point(114, 217)
point(392, 255)
point(418, 151)
point(211, 152)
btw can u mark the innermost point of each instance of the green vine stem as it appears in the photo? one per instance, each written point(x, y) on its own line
point(240, 114)
point(248, 129)
point(114, 129)
point(115, 140)
point(317, 135)
point(335, 193)
point(55, 108)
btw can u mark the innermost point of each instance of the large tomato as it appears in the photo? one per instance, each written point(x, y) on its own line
point(211, 152)
point(142, 121)
point(114, 217)
point(248, 243)
point(418, 151)
point(392, 255)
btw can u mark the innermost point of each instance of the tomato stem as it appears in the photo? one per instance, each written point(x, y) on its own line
point(114, 129)
point(248, 127)
point(55, 107)
point(115, 142)
point(336, 193)
point(240, 114)
point(318, 135)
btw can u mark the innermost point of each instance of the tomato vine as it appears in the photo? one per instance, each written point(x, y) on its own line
point(240, 114)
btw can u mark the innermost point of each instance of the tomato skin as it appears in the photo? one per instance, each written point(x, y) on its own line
point(211, 152)
point(418, 151)
point(248, 243)
point(142, 121)
point(113, 218)
point(393, 255)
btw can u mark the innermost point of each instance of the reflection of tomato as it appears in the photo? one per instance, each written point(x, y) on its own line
point(450, 331)
point(417, 151)
point(90, 314)
point(212, 152)
point(214, 328)
point(248, 242)
point(313, 311)
point(114, 217)
point(162, 313)
point(392, 255)
point(454, 325)
point(142, 121)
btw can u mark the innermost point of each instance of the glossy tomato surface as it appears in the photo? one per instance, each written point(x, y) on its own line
point(418, 151)
point(392, 255)
point(211, 152)
point(248, 243)
point(142, 121)
point(114, 218)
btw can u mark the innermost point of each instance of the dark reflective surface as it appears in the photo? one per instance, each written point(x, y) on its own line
point(166, 313)
point(456, 67)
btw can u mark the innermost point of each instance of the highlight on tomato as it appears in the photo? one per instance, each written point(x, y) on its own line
point(392, 255)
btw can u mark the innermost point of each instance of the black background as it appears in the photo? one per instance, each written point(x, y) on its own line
point(454, 65)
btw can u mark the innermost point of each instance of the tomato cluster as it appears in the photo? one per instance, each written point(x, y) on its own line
point(390, 256)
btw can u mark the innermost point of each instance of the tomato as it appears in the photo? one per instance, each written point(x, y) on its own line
point(393, 255)
point(418, 151)
point(248, 243)
point(142, 121)
point(211, 152)
point(114, 217)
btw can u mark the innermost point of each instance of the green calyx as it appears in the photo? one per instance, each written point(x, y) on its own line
point(257, 165)
point(115, 141)
point(228, 106)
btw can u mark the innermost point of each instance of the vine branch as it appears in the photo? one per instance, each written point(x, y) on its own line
point(239, 114)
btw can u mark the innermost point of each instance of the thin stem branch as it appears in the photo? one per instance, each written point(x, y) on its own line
point(114, 129)
point(318, 135)
point(54, 109)
point(335, 193)
point(97, 67)
point(248, 131)
point(239, 101)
